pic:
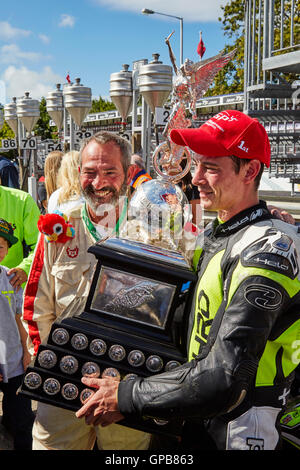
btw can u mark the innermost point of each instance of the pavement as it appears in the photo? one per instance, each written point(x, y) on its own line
point(6, 441)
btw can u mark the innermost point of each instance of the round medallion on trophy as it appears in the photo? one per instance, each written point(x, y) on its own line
point(68, 364)
point(111, 372)
point(51, 386)
point(47, 359)
point(136, 358)
point(79, 341)
point(86, 394)
point(98, 347)
point(172, 365)
point(69, 391)
point(90, 369)
point(154, 363)
point(116, 352)
point(60, 336)
point(33, 380)
point(130, 377)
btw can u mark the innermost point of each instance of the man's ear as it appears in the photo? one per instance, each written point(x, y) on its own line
point(252, 170)
point(130, 173)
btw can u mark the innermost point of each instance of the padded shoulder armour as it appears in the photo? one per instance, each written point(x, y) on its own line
point(273, 250)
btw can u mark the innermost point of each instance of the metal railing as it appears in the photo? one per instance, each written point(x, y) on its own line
point(288, 27)
point(272, 28)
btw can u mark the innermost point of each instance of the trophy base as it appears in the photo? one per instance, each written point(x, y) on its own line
point(55, 377)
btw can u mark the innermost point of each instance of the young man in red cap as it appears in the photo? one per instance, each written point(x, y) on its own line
point(243, 343)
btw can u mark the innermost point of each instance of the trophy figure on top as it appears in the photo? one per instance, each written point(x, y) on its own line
point(159, 212)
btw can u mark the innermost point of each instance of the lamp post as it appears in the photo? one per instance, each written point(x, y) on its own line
point(146, 11)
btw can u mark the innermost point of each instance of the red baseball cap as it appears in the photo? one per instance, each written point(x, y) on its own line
point(227, 133)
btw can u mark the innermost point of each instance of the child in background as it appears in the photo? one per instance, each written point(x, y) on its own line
point(18, 416)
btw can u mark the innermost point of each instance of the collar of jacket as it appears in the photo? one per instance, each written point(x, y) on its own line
point(92, 229)
point(242, 219)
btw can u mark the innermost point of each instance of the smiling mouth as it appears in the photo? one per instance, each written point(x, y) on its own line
point(204, 193)
point(100, 193)
point(103, 192)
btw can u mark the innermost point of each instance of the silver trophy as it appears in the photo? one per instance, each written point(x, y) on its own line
point(159, 212)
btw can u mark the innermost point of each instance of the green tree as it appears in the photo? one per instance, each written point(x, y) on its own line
point(101, 105)
point(7, 133)
point(42, 127)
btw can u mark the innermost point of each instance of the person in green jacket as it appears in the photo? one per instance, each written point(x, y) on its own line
point(21, 211)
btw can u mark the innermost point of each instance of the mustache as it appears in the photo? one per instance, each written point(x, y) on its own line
point(94, 200)
point(89, 190)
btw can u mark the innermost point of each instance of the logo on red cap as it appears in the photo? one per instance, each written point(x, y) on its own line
point(241, 146)
point(227, 133)
point(224, 116)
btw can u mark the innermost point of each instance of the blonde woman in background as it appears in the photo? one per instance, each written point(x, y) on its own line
point(68, 194)
point(51, 168)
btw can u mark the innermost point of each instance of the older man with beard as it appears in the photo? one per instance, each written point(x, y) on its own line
point(59, 283)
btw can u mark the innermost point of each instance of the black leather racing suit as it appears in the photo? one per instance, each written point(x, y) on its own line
point(244, 328)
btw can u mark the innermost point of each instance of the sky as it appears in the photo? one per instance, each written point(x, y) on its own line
point(42, 41)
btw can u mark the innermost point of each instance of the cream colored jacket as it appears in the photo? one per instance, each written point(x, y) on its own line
point(59, 281)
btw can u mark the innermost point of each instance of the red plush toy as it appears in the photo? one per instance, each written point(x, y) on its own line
point(55, 227)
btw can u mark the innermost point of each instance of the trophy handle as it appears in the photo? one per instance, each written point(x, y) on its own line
point(167, 159)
